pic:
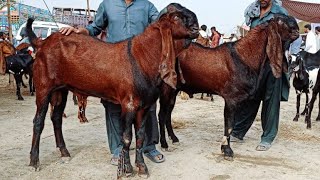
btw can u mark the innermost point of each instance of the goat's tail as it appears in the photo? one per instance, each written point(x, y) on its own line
point(34, 40)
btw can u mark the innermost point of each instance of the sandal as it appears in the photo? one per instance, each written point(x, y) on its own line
point(263, 146)
point(116, 155)
point(155, 156)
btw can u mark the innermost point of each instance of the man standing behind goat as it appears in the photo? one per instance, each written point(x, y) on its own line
point(124, 19)
point(271, 90)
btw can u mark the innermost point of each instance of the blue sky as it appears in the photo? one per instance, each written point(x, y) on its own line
point(225, 15)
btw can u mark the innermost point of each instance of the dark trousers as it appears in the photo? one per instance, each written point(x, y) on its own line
point(115, 130)
point(269, 92)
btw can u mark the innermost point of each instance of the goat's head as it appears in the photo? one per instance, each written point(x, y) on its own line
point(281, 29)
point(297, 65)
point(175, 23)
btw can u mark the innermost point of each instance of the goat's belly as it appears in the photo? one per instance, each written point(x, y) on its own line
point(313, 73)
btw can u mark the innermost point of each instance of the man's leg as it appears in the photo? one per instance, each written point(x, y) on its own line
point(152, 136)
point(114, 129)
point(244, 117)
point(271, 109)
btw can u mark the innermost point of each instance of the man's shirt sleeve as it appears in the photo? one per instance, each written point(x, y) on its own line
point(153, 13)
point(100, 21)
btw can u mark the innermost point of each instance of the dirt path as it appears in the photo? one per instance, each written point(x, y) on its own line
point(294, 155)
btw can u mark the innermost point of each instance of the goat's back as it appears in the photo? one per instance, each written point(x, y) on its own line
point(83, 63)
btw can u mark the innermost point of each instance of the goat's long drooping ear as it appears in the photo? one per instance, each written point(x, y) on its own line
point(301, 69)
point(168, 58)
point(274, 50)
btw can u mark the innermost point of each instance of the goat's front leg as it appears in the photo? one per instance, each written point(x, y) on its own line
point(124, 165)
point(298, 107)
point(140, 125)
point(167, 102)
point(305, 111)
point(18, 78)
point(229, 110)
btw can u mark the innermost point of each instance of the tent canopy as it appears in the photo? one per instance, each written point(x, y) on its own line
point(309, 12)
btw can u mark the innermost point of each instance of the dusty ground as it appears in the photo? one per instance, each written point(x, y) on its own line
point(294, 154)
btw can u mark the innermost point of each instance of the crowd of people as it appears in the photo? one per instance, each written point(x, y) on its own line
point(212, 41)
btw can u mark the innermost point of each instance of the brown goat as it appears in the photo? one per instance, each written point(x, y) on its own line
point(129, 73)
point(232, 70)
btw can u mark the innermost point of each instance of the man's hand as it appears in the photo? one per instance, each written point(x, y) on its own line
point(68, 30)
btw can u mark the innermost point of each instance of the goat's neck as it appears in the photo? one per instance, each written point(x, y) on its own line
point(146, 49)
point(252, 49)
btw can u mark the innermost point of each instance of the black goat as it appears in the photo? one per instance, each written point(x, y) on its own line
point(305, 66)
point(18, 65)
point(304, 81)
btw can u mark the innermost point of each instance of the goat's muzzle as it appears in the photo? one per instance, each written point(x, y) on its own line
point(295, 35)
point(194, 32)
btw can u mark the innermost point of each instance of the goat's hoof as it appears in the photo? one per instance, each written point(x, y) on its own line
point(83, 120)
point(35, 164)
point(296, 118)
point(63, 160)
point(228, 153)
point(64, 115)
point(20, 98)
point(32, 94)
point(142, 170)
point(318, 119)
point(164, 144)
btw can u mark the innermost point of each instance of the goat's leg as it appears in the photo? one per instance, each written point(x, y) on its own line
point(82, 104)
point(211, 95)
point(168, 122)
point(124, 165)
point(298, 108)
point(75, 101)
point(18, 78)
point(229, 110)
point(310, 107)
point(201, 95)
point(22, 83)
point(31, 87)
point(56, 118)
point(305, 111)
point(167, 102)
point(318, 118)
point(140, 125)
point(42, 101)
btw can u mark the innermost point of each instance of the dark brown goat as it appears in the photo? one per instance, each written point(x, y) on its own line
point(232, 70)
point(129, 73)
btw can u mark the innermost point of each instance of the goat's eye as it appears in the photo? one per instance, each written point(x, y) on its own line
point(176, 18)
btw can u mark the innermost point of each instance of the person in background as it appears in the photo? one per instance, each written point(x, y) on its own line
point(317, 29)
point(311, 40)
point(124, 19)
point(203, 38)
point(271, 90)
point(215, 37)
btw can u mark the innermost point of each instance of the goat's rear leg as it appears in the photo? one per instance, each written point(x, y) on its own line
point(82, 104)
point(310, 107)
point(42, 102)
point(318, 118)
point(18, 78)
point(298, 108)
point(229, 110)
point(56, 118)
